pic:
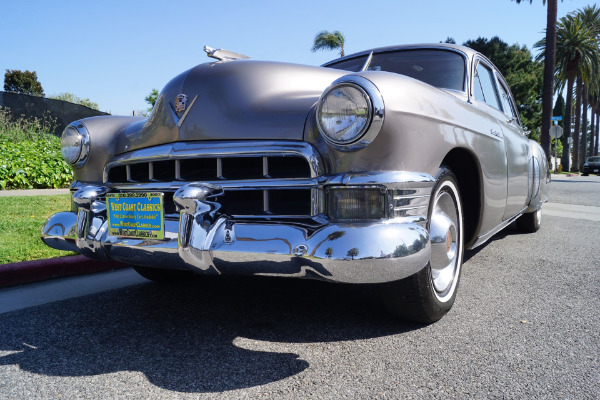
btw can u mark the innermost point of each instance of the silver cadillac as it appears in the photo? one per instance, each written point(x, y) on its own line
point(380, 167)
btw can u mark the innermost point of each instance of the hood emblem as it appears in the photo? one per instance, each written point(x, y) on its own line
point(180, 101)
point(180, 106)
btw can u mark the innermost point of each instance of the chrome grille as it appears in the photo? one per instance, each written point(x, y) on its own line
point(210, 169)
point(255, 185)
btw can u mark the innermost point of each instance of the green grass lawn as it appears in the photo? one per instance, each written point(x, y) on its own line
point(21, 221)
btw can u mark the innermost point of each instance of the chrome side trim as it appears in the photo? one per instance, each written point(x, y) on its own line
point(488, 235)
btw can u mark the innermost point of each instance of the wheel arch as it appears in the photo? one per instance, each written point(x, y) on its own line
point(465, 166)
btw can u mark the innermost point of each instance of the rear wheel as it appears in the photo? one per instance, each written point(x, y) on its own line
point(530, 222)
point(427, 296)
point(163, 274)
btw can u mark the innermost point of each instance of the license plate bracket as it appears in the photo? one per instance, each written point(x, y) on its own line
point(137, 215)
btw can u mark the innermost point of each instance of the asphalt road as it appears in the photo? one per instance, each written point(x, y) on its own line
point(525, 325)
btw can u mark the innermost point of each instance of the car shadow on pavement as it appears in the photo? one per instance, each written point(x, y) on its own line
point(210, 335)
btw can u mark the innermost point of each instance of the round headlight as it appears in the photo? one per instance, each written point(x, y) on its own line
point(344, 113)
point(75, 144)
point(350, 113)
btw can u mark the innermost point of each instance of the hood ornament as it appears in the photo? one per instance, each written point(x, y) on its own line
point(223, 55)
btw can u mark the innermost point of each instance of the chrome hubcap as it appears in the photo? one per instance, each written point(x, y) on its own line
point(445, 242)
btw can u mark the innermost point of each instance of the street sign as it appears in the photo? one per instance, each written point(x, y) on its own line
point(556, 131)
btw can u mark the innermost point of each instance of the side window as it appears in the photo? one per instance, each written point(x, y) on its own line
point(484, 86)
point(507, 103)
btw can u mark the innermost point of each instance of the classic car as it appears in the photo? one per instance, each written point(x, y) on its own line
point(380, 167)
point(591, 166)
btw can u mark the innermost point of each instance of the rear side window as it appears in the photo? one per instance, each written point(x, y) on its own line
point(484, 86)
point(507, 103)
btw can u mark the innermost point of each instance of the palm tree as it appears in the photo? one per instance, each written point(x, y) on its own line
point(584, 127)
point(549, 67)
point(326, 40)
point(591, 17)
point(577, 52)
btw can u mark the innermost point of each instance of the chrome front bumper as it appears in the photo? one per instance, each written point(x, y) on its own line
point(205, 242)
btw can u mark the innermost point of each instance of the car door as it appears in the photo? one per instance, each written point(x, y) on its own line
point(517, 153)
point(486, 88)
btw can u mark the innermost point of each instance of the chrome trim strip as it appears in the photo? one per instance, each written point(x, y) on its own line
point(488, 235)
point(367, 62)
point(219, 168)
point(391, 179)
point(256, 184)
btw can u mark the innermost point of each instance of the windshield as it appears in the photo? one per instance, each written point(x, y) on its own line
point(594, 159)
point(444, 69)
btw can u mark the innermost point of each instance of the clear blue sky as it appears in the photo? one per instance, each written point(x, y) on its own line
point(115, 51)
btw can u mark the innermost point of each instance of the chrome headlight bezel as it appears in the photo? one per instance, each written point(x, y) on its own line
point(375, 107)
point(75, 144)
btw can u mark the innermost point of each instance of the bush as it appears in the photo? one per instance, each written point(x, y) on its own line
point(30, 158)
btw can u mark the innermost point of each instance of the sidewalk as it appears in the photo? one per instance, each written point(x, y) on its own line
point(25, 272)
point(33, 192)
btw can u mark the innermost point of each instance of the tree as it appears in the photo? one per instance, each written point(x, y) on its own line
point(328, 252)
point(151, 99)
point(591, 17)
point(71, 98)
point(522, 73)
point(26, 82)
point(549, 67)
point(584, 128)
point(353, 252)
point(326, 40)
point(576, 48)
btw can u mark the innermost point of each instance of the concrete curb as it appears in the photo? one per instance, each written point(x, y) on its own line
point(40, 270)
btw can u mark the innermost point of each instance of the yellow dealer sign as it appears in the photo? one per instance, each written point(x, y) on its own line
point(136, 215)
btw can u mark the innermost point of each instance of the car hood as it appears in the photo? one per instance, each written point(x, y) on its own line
point(242, 99)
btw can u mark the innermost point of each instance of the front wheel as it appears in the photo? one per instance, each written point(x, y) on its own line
point(426, 296)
